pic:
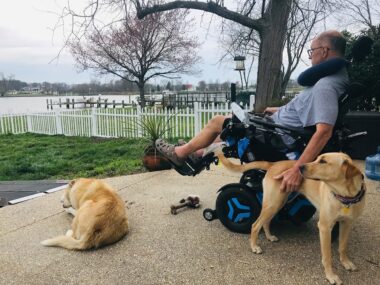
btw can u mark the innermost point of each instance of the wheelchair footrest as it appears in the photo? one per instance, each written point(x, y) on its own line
point(192, 168)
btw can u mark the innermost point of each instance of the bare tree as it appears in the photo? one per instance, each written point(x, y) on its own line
point(5, 83)
point(267, 26)
point(304, 15)
point(138, 50)
point(202, 85)
point(240, 41)
point(270, 26)
point(366, 13)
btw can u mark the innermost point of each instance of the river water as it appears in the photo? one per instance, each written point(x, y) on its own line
point(29, 104)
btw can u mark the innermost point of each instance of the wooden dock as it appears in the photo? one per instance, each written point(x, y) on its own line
point(172, 100)
point(87, 103)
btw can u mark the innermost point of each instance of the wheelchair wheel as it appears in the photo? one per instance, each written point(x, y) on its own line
point(209, 214)
point(237, 207)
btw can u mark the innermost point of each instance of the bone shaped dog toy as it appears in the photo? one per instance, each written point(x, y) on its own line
point(192, 201)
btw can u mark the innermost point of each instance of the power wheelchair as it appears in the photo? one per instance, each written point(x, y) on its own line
point(250, 137)
point(257, 137)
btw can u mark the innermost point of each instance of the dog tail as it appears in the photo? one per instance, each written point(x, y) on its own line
point(265, 165)
point(67, 242)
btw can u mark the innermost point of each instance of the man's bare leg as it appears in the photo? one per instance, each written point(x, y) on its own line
point(206, 137)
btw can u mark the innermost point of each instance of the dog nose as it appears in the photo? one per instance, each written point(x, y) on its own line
point(302, 168)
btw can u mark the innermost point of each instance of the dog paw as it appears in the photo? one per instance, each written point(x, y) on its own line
point(256, 249)
point(348, 265)
point(70, 210)
point(272, 238)
point(334, 279)
point(69, 233)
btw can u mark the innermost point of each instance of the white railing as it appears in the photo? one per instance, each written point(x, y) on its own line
point(13, 124)
point(118, 122)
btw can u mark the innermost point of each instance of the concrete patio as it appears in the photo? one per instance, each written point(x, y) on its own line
point(183, 249)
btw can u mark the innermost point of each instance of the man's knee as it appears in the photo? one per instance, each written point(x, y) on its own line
point(216, 122)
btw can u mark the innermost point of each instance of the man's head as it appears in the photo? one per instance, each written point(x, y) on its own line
point(327, 45)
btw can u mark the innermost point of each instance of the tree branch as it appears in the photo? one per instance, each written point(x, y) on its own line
point(211, 7)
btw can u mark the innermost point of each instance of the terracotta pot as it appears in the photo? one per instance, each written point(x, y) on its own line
point(154, 161)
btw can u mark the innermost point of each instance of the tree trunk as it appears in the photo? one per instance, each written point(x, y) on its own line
point(270, 60)
point(140, 85)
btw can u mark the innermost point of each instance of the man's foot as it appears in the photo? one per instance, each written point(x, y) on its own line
point(168, 151)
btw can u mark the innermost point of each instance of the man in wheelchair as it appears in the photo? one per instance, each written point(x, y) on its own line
point(304, 125)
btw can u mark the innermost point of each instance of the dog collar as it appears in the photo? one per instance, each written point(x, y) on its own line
point(348, 201)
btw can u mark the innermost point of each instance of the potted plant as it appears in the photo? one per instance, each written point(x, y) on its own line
point(153, 128)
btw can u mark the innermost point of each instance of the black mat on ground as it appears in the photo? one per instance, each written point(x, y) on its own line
point(11, 190)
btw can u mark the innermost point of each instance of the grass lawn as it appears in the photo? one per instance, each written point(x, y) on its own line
point(34, 157)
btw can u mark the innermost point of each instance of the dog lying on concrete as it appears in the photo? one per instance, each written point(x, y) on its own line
point(333, 184)
point(99, 216)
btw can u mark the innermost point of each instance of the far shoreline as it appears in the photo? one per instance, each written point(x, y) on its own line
point(63, 95)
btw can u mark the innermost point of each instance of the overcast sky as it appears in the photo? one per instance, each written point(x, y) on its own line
point(28, 46)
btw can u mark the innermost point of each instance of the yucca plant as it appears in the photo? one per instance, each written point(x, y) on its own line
point(153, 128)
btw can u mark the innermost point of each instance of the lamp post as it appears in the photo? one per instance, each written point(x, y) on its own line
point(239, 61)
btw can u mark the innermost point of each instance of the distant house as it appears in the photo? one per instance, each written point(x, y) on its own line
point(188, 87)
point(31, 89)
point(12, 92)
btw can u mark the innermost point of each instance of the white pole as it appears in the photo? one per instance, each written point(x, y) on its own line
point(196, 119)
point(251, 102)
point(139, 118)
point(58, 122)
point(12, 123)
point(94, 123)
point(28, 124)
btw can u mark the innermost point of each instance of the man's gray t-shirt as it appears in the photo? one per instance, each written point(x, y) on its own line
point(316, 104)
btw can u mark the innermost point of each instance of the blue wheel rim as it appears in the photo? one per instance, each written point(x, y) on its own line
point(237, 212)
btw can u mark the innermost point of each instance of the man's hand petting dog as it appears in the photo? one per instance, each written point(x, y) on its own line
point(291, 179)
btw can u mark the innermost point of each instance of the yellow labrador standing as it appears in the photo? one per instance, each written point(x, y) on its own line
point(99, 216)
point(332, 184)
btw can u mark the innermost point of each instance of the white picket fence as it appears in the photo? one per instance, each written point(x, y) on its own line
point(118, 122)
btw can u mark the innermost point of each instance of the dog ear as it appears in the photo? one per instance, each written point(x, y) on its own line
point(72, 182)
point(351, 170)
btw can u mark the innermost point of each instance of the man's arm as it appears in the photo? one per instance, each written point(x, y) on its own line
point(291, 179)
point(271, 110)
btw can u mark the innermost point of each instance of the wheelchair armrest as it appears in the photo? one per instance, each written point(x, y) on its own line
point(293, 132)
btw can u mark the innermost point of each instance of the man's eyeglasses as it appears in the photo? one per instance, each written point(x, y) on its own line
point(310, 51)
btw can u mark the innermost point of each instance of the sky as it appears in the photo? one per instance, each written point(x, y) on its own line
point(29, 48)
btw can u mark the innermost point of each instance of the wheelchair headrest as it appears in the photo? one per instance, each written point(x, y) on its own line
point(361, 48)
